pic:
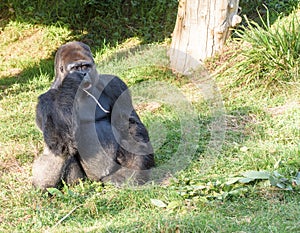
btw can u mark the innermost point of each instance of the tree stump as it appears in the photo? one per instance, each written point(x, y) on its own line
point(201, 29)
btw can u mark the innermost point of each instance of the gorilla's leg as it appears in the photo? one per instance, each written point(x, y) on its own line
point(97, 158)
point(128, 176)
point(73, 171)
point(49, 170)
point(133, 169)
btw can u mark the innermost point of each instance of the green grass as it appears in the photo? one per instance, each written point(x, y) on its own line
point(262, 134)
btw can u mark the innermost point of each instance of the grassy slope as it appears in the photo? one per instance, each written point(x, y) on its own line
point(262, 134)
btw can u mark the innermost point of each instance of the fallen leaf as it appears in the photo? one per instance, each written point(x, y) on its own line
point(246, 180)
point(243, 148)
point(233, 180)
point(257, 175)
point(158, 203)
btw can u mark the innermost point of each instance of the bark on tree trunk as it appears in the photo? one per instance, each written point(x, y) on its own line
point(202, 26)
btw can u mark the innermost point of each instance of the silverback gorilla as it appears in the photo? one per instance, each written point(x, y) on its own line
point(89, 125)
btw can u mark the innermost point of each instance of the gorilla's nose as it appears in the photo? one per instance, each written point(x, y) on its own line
point(86, 82)
point(82, 73)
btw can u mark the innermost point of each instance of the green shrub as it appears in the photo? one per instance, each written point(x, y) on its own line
point(269, 54)
point(252, 8)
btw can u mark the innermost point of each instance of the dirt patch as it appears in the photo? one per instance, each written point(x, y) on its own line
point(30, 45)
point(279, 110)
point(10, 165)
point(150, 106)
point(9, 72)
point(237, 123)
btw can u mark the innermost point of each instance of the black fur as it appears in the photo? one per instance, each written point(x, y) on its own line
point(109, 146)
point(54, 115)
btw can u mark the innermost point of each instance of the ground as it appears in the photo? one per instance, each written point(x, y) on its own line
point(262, 134)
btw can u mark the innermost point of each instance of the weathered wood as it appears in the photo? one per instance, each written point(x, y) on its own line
point(202, 26)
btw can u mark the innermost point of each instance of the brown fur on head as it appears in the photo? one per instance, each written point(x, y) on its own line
point(72, 56)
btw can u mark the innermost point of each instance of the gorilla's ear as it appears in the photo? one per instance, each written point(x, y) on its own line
point(58, 69)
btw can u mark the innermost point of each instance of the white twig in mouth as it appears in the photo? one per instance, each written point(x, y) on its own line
point(93, 97)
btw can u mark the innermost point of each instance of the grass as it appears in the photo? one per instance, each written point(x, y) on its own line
point(262, 134)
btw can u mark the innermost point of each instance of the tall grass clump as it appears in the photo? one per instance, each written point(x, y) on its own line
point(270, 54)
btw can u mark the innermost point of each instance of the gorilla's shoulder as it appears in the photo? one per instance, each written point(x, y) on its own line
point(47, 96)
point(112, 84)
point(112, 81)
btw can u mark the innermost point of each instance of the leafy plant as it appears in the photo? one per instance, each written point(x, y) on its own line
point(237, 186)
point(275, 179)
point(278, 180)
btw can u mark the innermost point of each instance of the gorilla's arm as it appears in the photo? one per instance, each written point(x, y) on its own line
point(59, 160)
point(124, 116)
point(44, 106)
point(54, 117)
point(135, 153)
point(112, 141)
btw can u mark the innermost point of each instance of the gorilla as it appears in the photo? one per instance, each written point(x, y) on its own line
point(89, 125)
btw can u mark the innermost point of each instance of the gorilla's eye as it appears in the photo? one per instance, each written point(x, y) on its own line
point(75, 68)
point(84, 67)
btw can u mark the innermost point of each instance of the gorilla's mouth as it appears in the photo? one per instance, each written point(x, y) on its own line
point(86, 85)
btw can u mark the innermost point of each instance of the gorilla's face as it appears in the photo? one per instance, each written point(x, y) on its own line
point(82, 79)
point(86, 70)
point(73, 57)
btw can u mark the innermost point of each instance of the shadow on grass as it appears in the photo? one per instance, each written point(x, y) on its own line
point(24, 77)
point(97, 21)
point(238, 121)
point(116, 20)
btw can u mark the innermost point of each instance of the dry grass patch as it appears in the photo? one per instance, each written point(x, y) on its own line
point(24, 44)
point(279, 110)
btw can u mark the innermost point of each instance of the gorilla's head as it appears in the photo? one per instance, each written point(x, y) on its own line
point(73, 57)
